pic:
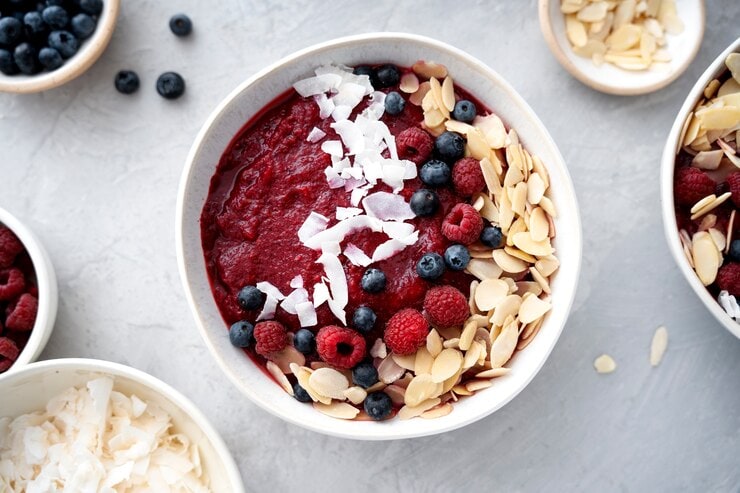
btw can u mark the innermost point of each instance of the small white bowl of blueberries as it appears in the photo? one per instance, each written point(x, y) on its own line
point(46, 43)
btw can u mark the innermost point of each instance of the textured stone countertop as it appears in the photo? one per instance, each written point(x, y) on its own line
point(95, 174)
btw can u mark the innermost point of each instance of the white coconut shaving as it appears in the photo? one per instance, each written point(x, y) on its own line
point(273, 296)
point(315, 135)
point(315, 223)
point(729, 304)
point(355, 255)
point(95, 439)
point(387, 207)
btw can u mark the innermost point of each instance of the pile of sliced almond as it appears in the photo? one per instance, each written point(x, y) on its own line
point(508, 300)
point(711, 134)
point(629, 34)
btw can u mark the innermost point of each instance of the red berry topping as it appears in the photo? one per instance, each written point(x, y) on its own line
point(446, 306)
point(468, 177)
point(22, 314)
point(8, 353)
point(728, 278)
point(463, 224)
point(12, 283)
point(10, 247)
point(692, 185)
point(406, 331)
point(414, 144)
point(271, 337)
point(340, 347)
point(734, 181)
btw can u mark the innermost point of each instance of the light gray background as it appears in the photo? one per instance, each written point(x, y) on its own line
point(95, 174)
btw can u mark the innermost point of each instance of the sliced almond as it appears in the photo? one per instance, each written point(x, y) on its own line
point(493, 373)
point(302, 375)
point(421, 388)
point(485, 269)
point(476, 385)
point(340, 410)
point(417, 97)
point(504, 345)
point(356, 395)
point(408, 412)
point(547, 265)
point(409, 83)
point(434, 343)
point(718, 237)
point(437, 412)
point(703, 203)
point(593, 12)
point(505, 308)
point(490, 292)
point(605, 364)
point(706, 257)
point(396, 393)
point(535, 188)
point(448, 94)
point(286, 357)
point(472, 355)
point(624, 37)
point(507, 262)
point(329, 382)
point(524, 287)
point(575, 30)
point(526, 243)
point(548, 206)
point(427, 70)
point(658, 346)
point(532, 308)
point(280, 377)
point(423, 361)
point(541, 280)
point(468, 334)
point(515, 252)
point(447, 364)
point(389, 370)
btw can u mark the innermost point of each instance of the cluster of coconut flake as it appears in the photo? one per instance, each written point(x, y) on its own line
point(358, 165)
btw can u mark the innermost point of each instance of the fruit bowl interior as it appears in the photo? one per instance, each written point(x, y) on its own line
point(33, 386)
point(667, 172)
point(248, 99)
point(89, 52)
point(47, 286)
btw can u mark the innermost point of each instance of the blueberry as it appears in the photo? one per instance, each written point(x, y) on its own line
point(304, 341)
point(50, 58)
point(127, 82)
point(491, 236)
point(365, 70)
point(464, 111)
point(365, 375)
point(387, 76)
point(170, 85)
point(435, 173)
point(300, 393)
point(35, 25)
point(424, 202)
point(373, 280)
point(64, 42)
point(92, 7)
point(449, 147)
point(11, 30)
point(241, 334)
point(378, 405)
point(59, 3)
point(181, 25)
point(457, 257)
point(430, 266)
point(83, 26)
point(394, 103)
point(55, 17)
point(250, 298)
point(7, 64)
point(25, 58)
point(364, 319)
point(735, 250)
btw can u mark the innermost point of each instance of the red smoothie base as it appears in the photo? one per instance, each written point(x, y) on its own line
point(268, 182)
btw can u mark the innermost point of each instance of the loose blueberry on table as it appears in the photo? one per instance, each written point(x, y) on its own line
point(38, 36)
point(706, 189)
point(18, 297)
point(392, 249)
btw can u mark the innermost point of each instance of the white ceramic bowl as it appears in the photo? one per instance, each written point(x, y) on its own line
point(248, 99)
point(666, 182)
point(610, 79)
point(30, 388)
point(48, 291)
point(90, 51)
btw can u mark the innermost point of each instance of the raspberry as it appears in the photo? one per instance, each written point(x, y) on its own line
point(271, 337)
point(728, 278)
point(691, 185)
point(414, 144)
point(733, 180)
point(22, 314)
point(463, 224)
point(468, 177)
point(10, 247)
point(12, 283)
point(340, 347)
point(8, 353)
point(406, 331)
point(446, 306)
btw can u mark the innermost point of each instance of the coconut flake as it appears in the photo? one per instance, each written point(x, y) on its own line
point(343, 228)
point(272, 297)
point(355, 255)
point(729, 304)
point(299, 295)
point(319, 84)
point(333, 148)
point(387, 207)
point(333, 178)
point(351, 136)
point(347, 212)
point(396, 230)
point(314, 224)
point(337, 284)
point(306, 314)
point(349, 94)
point(357, 195)
point(341, 113)
point(331, 248)
point(326, 105)
point(320, 294)
point(315, 135)
point(387, 250)
point(296, 282)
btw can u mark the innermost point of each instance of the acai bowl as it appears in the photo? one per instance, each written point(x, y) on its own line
point(382, 244)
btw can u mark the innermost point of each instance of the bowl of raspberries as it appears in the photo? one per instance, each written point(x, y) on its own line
point(701, 188)
point(46, 43)
point(28, 294)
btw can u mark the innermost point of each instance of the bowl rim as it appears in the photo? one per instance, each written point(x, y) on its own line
point(75, 66)
point(670, 225)
point(381, 433)
point(151, 382)
point(562, 58)
point(48, 290)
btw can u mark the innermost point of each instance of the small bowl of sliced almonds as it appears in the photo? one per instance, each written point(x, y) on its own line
point(700, 182)
point(623, 47)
